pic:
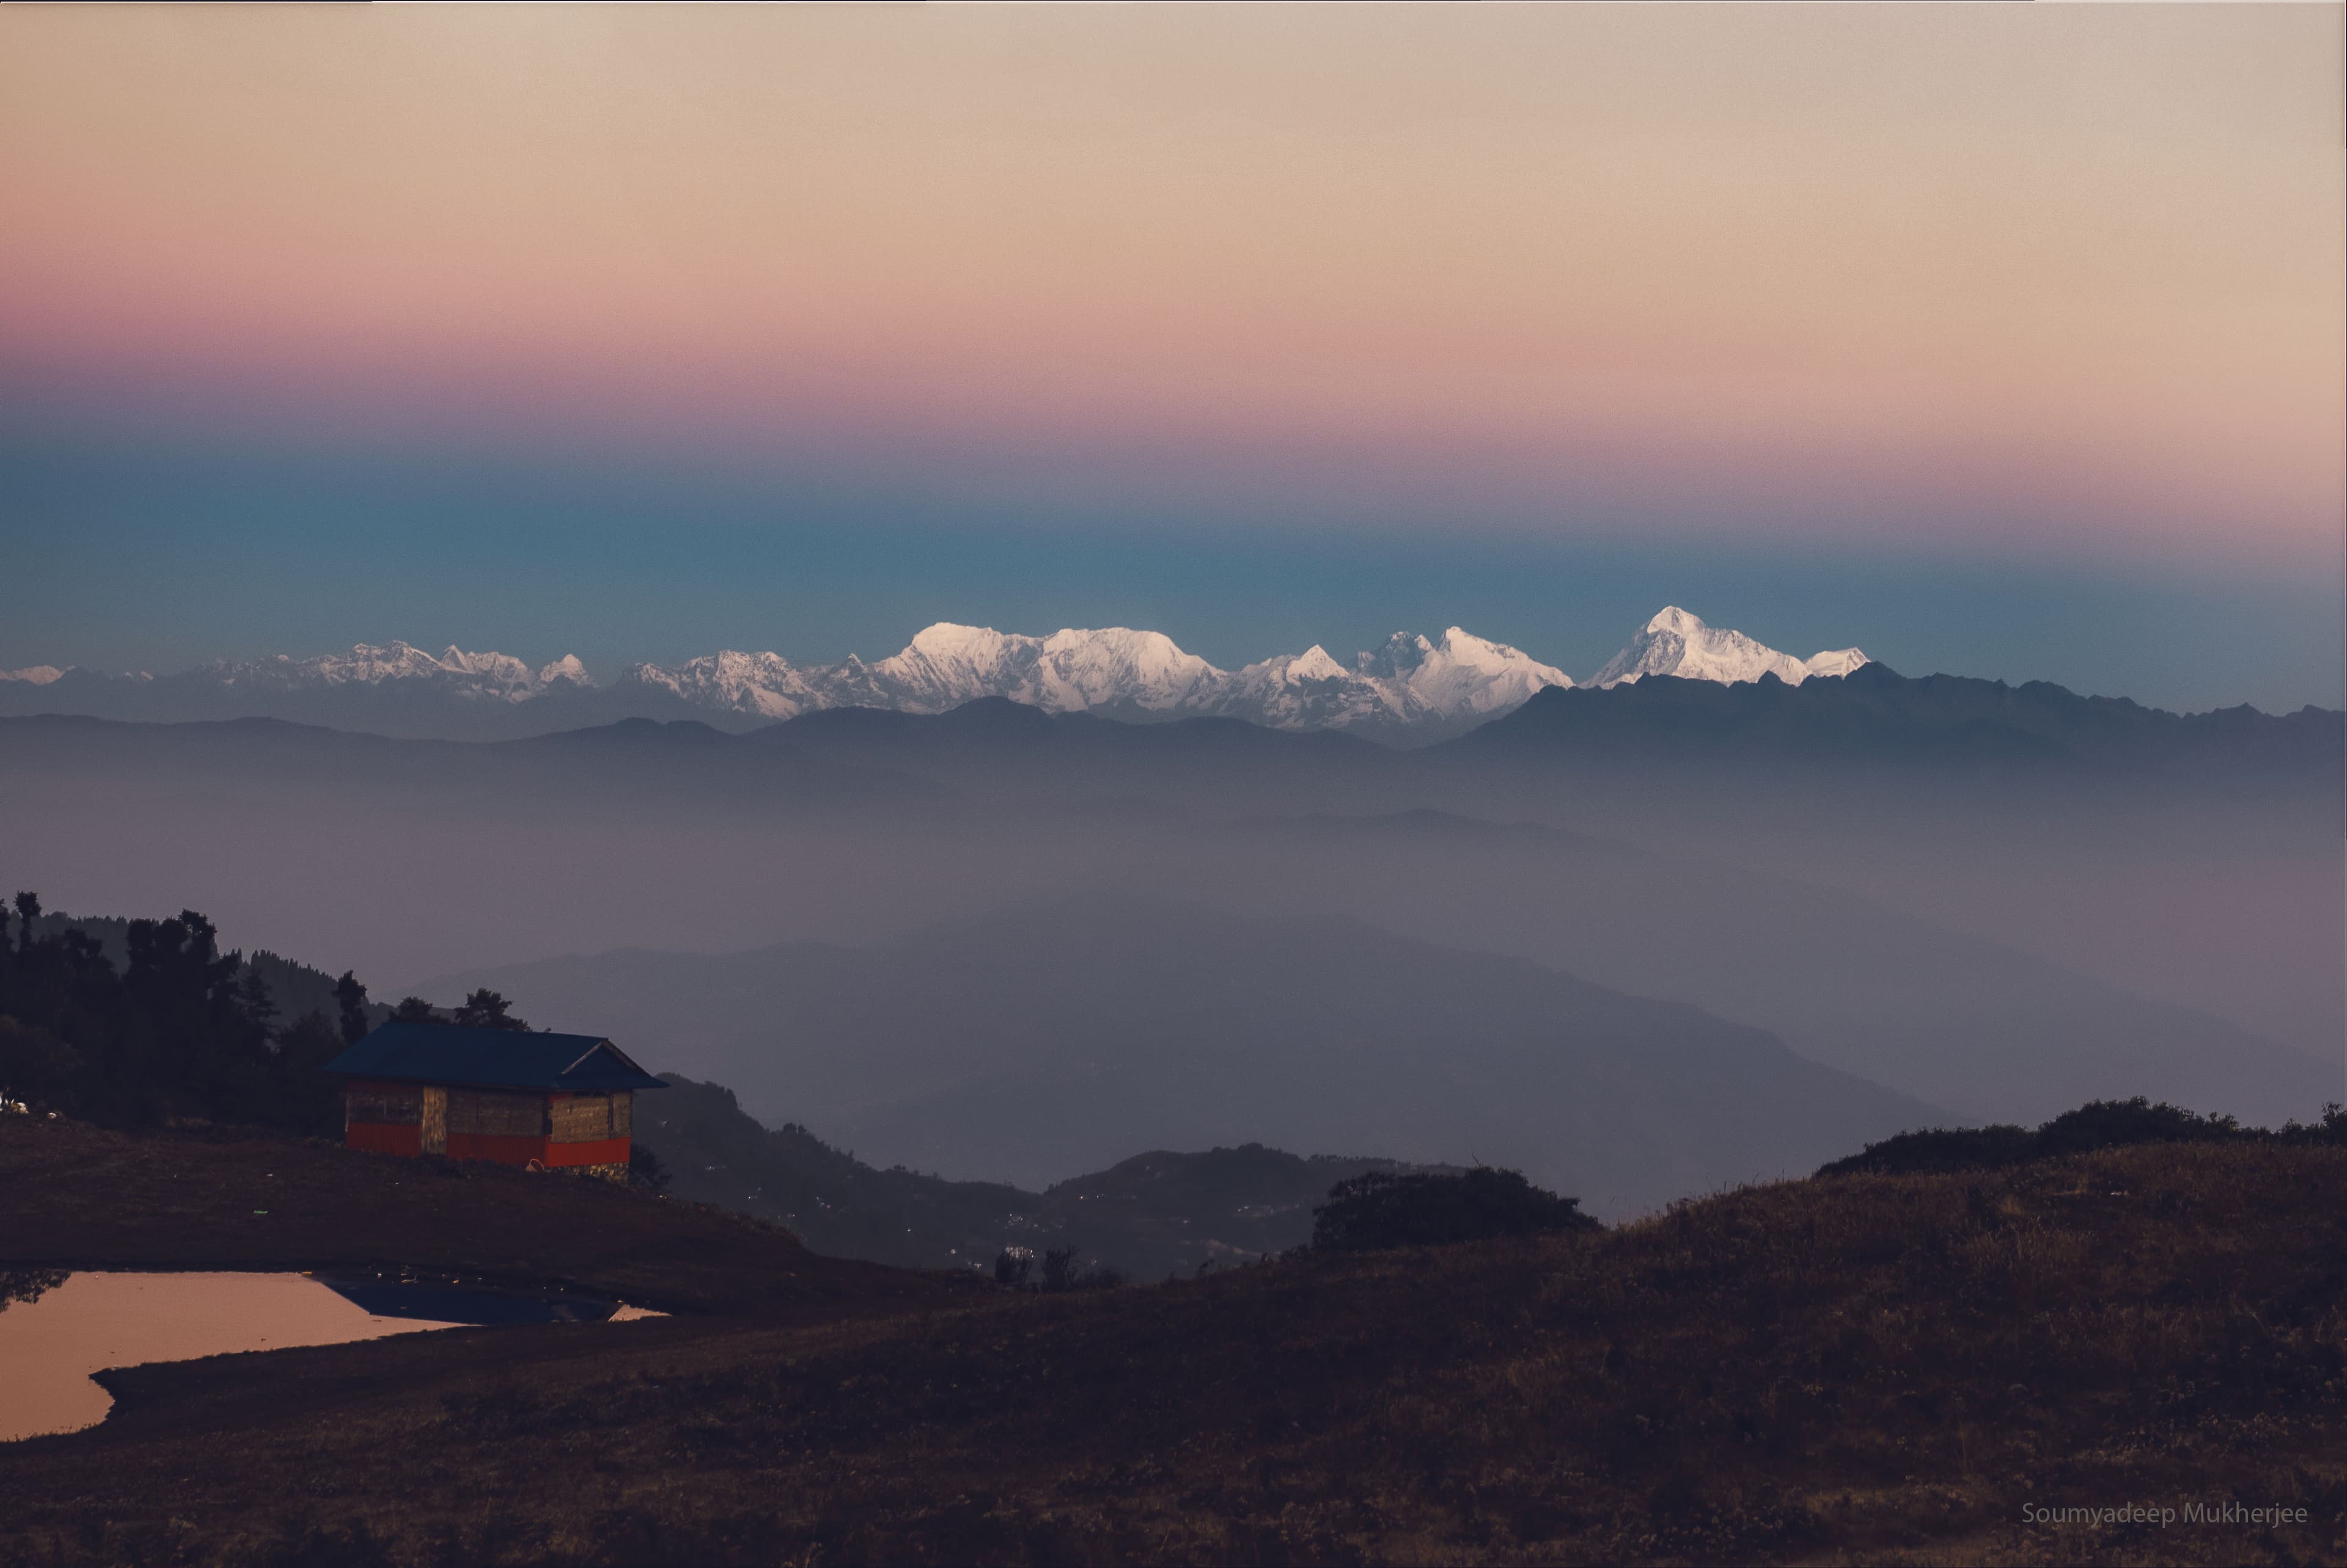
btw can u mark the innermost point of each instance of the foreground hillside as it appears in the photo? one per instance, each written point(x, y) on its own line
point(1874, 1368)
point(77, 1196)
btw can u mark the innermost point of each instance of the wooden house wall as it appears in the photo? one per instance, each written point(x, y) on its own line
point(593, 1131)
point(382, 1104)
point(509, 1127)
point(592, 1118)
point(496, 1113)
point(383, 1118)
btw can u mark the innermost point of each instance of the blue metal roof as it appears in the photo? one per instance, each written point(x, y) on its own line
point(492, 1059)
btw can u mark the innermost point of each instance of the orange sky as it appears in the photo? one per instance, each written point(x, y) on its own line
point(2079, 265)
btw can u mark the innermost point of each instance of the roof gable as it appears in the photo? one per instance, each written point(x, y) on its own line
point(492, 1058)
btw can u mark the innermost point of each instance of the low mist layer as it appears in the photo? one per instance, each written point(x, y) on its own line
point(2110, 905)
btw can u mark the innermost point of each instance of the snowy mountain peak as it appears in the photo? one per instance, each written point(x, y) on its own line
point(1309, 690)
point(761, 683)
point(1410, 684)
point(1677, 642)
point(947, 641)
point(500, 673)
point(1461, 672)
point(947, 664)
point(477, 677)
point(1835, 662)
point(1401, 653)
point(1082, 670)
point(1313, 664)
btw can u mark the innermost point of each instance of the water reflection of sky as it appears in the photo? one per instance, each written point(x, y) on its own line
point(53, 1336)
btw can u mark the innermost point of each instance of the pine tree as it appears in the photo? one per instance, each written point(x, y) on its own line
point(350, 997)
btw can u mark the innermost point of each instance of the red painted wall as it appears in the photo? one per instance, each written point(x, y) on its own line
point(594, 1152)
point(379, 1139)
point(504, 1149)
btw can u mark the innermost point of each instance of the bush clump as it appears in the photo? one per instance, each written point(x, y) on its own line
point(1014, 1265)
point(1381, 1210)
point(2098, 1125)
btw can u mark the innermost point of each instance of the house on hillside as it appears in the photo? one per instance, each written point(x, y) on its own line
point(560, 1102)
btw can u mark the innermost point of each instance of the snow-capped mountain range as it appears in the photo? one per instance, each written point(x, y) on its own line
point(1411, 684)
point(1677, 643)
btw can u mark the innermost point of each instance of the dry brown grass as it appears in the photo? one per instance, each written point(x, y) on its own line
point(1858, 1370)
point(84, 1197)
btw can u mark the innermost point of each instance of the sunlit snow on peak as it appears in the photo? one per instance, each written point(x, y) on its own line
point(1677, 642)
point(1409, 684)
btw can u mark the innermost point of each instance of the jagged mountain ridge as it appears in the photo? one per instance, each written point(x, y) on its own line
point(1675, 643)
point(1412, 683)
point(1876, 712)
point(1146, 1215)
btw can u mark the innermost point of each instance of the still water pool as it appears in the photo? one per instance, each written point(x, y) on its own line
point(55, 1331)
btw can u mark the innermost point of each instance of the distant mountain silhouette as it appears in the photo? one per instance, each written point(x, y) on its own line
point(1411, 687)
point(1966, 1023)
point(1878, 715)
point(1677, 682)
point(1873, 717)
point(913, 816)
point(1147, 1215)
point(1027, 1043)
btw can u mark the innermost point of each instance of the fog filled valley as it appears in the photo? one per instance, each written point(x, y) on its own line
point(856, 786)
point(1640, 942)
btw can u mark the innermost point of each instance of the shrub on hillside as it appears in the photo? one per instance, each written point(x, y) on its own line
point(1382, 1210)
point(2331, 1130)
point(1061, 1272)
point(1013, 1266)
point(2123, 1123)
point(1940, 1149)
point(2098, 1125)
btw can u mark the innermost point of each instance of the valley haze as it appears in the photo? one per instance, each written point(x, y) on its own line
point(1712, 914)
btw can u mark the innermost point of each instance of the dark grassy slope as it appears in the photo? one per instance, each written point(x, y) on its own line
point(1861, 1369)
point(1147, 1215)
point(73, 1195)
